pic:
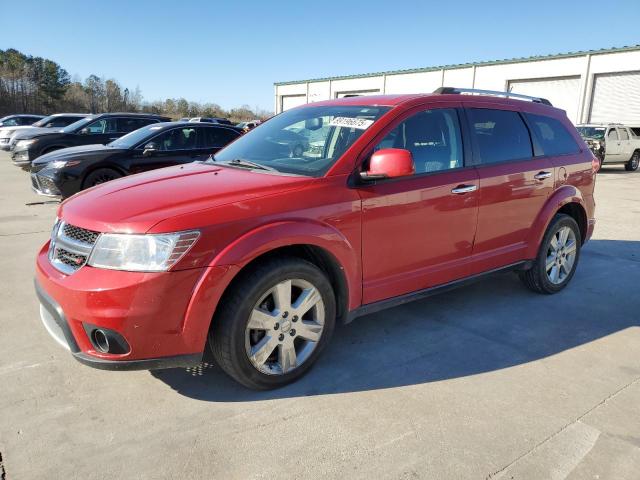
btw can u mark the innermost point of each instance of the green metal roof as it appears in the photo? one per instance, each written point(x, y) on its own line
point(536, 58)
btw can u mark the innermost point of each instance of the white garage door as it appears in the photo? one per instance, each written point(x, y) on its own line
point(290, 101)
point(562, 92)
point(616, 98)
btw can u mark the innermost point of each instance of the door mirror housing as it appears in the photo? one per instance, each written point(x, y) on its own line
point(84, 131)
point(389, 163)
point(313, 123)
point(149, 149)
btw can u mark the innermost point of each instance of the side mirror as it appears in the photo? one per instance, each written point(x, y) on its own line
point(84, 131)
point(313, 123)
point(149, 148)
point(389, 163)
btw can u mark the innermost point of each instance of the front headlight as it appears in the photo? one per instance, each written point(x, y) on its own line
point(26, 143)
point(141, 253)
point(62, 163)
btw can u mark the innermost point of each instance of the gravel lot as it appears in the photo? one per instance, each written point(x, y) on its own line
point(488, 381)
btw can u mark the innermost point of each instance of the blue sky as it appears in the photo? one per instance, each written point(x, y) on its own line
point(231, 52)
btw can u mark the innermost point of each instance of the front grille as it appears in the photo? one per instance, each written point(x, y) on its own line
point(71, 247)
point(80, 234)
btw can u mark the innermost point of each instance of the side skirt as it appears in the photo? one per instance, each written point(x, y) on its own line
point(428, 292)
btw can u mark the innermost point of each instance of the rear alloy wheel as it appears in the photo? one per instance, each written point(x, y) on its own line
point(274, 323)
point(101, 175)
point(632, 164)
point(557, 258)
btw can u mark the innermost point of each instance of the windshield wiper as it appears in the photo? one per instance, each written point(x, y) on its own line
point(239, 162)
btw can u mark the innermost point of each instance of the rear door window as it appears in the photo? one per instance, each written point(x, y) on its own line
point(217, 137)
point(127, 125)
point(624, 135)
point(499, 135)
point(554, 138)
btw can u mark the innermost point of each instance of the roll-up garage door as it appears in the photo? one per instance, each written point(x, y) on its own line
point(616, 98)
point(290, 101)
point(562, 92)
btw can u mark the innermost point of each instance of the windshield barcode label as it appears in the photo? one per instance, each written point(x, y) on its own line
point(359, 123)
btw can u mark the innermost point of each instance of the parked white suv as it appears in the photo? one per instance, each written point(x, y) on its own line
point(613, 143)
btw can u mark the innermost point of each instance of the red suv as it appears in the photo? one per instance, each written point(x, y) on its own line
point(324, 213)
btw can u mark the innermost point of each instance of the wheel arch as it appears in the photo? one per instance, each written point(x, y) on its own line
point(568, 200)
point(319, 243)
point(92, 168)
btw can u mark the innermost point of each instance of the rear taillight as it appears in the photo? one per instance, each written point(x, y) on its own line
point(595, 164)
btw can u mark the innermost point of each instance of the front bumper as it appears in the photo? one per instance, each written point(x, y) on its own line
point(164, 317)
point(21, 158)
point(44, 185)
point(5, 144)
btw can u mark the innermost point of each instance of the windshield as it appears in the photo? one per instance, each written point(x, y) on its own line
point(130, 140)
point(592, 132)
point(303, 141)
point(73, 127)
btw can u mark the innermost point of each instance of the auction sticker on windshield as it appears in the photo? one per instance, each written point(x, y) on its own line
point(359, 123)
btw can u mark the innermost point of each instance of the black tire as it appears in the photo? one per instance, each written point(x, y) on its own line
point(536, 278)
point(228, 334)
point(101, 175)
point(634, 161)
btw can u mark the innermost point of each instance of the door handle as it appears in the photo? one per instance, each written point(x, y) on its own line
point(462, 189)
point(542, 175)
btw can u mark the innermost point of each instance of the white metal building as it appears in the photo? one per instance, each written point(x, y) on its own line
point(592, 86)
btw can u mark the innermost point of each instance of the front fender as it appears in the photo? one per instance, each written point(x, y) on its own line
point(562, 196)
point(297, 232)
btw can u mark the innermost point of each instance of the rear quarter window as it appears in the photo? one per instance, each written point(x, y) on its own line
point(553, 136)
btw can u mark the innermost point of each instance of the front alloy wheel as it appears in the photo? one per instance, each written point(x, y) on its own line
point(273, 323)
point(284, 327)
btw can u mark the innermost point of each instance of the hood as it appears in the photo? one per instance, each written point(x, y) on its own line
point(70, 153)
point(38, 132)
point(4, 130)
point(135, 204)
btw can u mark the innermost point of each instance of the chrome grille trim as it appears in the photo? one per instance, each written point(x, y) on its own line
point(70, 247)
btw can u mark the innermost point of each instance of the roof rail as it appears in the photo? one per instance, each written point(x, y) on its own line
point(495, 93)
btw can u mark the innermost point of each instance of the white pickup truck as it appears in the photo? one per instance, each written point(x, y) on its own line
point(613, 143)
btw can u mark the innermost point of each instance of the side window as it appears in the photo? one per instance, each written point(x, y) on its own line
point(177, 139)
point(105, 125)
point(555, 139)
point(217, 137)
point(127, 125)
point(500, 135)
point(624, 135)
point(11, 122)
point(432, 137)
point(612, 134)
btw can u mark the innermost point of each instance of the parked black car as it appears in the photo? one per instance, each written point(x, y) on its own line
point(91, 130)
point(65, 172)
point(19, 120)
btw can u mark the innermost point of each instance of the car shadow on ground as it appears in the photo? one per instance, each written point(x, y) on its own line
point(493, 324)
